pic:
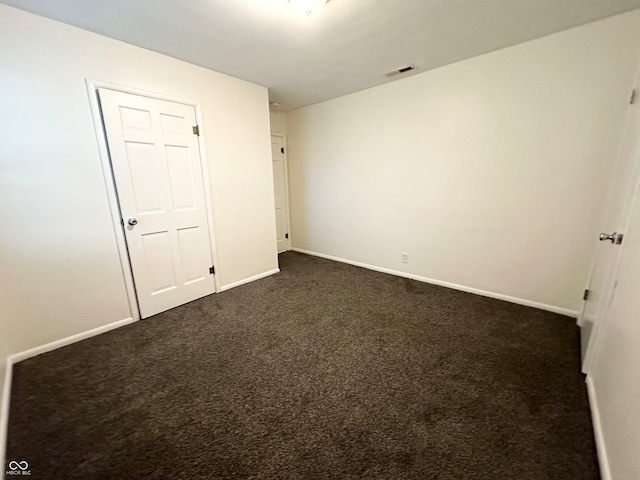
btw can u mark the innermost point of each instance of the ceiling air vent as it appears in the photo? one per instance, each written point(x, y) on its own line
point(398, 71)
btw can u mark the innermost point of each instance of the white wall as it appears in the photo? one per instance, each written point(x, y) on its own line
point(278, 122)
point(491, 173)
point(59, 260)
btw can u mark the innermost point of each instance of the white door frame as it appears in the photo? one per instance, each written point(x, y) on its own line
point(286, 185)
point(109, 182)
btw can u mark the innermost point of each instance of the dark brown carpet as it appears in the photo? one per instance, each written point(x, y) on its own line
point(324, 371)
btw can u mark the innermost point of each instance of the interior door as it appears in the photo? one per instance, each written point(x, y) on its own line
point(157, 170)
point(614, 220)
point(616, 368)
point(280, 191)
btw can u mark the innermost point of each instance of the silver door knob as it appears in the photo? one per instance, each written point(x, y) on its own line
point(606, 236)
point(132, 221)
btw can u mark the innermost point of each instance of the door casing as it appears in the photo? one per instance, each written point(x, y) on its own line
point(110, 187)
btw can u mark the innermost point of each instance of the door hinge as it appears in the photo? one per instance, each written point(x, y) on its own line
point(286, 235)
point(196, 130)
point(585, 295)
point(633, 97)
point(282, 150)
point(212, 270)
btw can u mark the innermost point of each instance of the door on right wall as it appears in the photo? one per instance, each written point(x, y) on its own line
point(614, 221)
point(615, 369)
point(280, 187)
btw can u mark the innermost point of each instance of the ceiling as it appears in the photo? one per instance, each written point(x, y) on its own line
point(347, 47)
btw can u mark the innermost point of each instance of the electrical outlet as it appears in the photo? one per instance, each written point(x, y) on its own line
point(404, 257)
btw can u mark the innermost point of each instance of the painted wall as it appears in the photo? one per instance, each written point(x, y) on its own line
point(278, 122)
point(490, 173)
point(59, 260)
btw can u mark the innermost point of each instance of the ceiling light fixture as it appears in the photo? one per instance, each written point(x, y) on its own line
point(308, 6)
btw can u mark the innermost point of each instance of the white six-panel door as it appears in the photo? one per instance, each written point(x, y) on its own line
point(280, 191)
point(157, 171)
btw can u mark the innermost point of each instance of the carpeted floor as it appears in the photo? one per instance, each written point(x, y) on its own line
point(323, 371)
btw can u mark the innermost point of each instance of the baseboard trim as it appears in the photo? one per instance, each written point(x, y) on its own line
point(249, 280)
point(33, 352)
point(605, 471)
point(4, 413)
point(455, 286)
point(63, 342)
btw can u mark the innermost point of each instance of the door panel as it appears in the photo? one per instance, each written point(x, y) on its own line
point(614, 219)
point(180, 178)
point(144, 178)
point(189, 241)
point(616, 367)
point(157, 259)
point(173, 125)
point(156, 166)
point(134, 119)
point(279, 188)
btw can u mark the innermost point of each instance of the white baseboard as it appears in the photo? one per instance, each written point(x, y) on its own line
point(4, 414)
point(605, 471)
point(463, 288)
point(18, 357)
point(249, 280)
point(63, 342)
